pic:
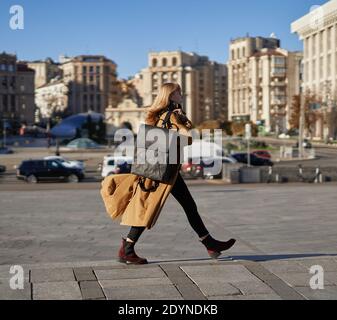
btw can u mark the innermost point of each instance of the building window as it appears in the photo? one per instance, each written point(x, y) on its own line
point(98, 69)
point(321, 67)
point(329, 38)
point(13, 101)
point(164, 77)
point(321, 38)
point(164, 62)
point(91, 69)
point(154, 62)
point(329, 64)
point(5, 101)
point(174, 61)
point(3, 67)
point(233, 54)
point(313, 47)
point(84, 70)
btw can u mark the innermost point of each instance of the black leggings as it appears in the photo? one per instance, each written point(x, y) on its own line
point(183, 196)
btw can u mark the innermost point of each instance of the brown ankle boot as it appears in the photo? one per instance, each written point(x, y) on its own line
point(128, 255)
point(215, 247)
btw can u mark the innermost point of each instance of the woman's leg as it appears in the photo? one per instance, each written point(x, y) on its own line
point(127, 252)
point(183, 196)
point(135, 233)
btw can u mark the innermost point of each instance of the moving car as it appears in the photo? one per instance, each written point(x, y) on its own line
point(116, 165)
point(262, 154)
point(33, 171)
point(254, 160)
point(2, 169)
point(67, 163)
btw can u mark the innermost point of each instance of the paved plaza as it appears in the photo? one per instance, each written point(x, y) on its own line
point(67, 245)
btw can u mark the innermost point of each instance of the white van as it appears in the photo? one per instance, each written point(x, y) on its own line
point(111, 163)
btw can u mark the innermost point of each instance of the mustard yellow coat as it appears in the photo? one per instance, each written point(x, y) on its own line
point(124, 200)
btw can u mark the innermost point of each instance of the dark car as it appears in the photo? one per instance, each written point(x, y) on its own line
point(262, 154)
point(33, 171)
point(5, 150)
point(254, 160)
point(2, 169)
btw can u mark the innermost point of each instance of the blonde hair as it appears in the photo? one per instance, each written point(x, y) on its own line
point(161, 102)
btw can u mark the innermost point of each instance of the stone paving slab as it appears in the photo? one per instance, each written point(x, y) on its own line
point(52, 275)
point(154, 272)
point(328, 293)
point(150, 292)
point(219, 273)
point(91, 290)
point(6, 293)
point(67, 290)
point(141, 282)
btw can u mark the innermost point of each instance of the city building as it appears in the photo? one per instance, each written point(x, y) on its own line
point(92, 83)
point(16, 90)
point(129, 109)
point(203, 83)
point(44, 71)
point(262, 80)
point(51, 98)
point(318, 31)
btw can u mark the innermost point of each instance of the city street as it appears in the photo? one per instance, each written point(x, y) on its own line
point(51, 230)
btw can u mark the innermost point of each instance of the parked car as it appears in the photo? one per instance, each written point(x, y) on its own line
point(229, 159)
point(205, 167)
point(2, 169)
point(306, 144)
point(262, 154)
point(116, 165)
point(191, 170)
point(34, 171)
point(67, 163)
point(6, 150)
point(254, 160)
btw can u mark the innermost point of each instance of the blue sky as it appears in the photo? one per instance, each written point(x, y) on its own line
point(126, 30)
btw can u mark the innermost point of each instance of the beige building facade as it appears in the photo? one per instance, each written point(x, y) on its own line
point(92, 83)
point(203, 83)
point(318, 31)
point(44, 71)
point(16, 90)
point(262, 80)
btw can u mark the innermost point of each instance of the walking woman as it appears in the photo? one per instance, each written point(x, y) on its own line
point(140, 209)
